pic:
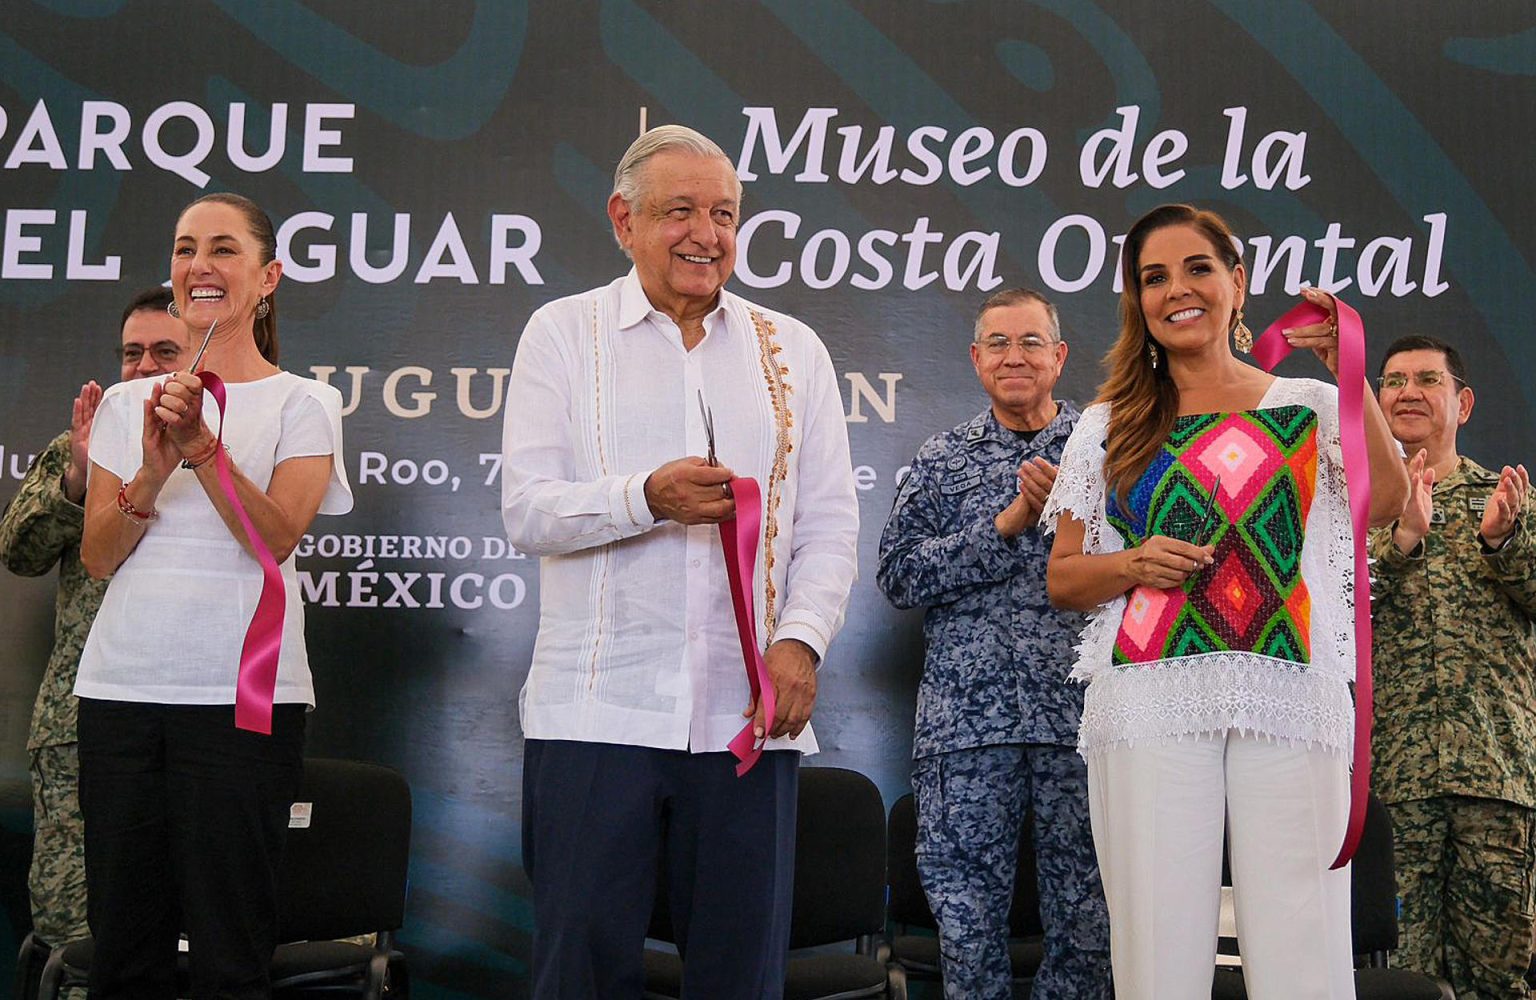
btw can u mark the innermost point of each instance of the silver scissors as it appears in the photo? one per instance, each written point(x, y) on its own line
point(1202, 534)
point(709, 429)
point(192, 369)
point(709, 440)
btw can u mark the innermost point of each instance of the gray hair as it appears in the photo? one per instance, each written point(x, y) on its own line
point(661, 139)
point(1017, 297)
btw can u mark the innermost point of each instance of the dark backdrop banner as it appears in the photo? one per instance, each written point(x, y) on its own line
point(439, 170)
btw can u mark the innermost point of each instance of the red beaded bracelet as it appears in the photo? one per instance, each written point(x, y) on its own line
point(132, 513)
point(202, 457)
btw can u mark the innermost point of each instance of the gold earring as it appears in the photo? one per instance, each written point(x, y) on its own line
point(1152, 354)
point(1242, 337)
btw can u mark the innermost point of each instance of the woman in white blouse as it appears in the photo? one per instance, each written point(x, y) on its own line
point(184, 813)
point(1201, 514)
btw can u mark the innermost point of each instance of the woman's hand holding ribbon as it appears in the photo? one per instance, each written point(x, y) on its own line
point(160, 451)
point(178, 404)
point(1322, 339)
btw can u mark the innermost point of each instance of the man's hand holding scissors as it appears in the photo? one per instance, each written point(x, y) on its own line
point(693, 490)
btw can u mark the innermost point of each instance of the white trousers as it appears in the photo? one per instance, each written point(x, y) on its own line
point(1158, 811)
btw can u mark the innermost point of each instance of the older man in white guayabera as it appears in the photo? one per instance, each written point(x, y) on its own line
point(619, 398)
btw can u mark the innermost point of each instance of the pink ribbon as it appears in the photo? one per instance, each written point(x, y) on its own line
point(738, 537)
point(1271, 347)
point(257, 681)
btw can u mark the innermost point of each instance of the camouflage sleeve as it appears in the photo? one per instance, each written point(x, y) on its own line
point(41, 522)
point(922, 565)
point(1389, 558)
point(1514, 565)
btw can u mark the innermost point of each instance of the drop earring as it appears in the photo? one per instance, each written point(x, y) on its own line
point(1242, 337)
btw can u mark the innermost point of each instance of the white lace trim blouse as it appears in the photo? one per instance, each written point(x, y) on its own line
point(1213, 692)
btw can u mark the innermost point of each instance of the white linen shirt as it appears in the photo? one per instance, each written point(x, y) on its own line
point(189, 583)
point(637, 642)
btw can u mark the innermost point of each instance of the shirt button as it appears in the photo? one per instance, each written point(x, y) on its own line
point(693, 633)
point(696, 563)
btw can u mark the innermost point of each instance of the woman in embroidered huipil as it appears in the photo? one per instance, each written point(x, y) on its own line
point(1201, 516)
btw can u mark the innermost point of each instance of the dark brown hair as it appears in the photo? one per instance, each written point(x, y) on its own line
point(1143, 400)
point(1419, 342)
point(151, 299)
point(266, 239)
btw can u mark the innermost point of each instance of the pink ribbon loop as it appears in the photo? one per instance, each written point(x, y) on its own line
point(256, 684)
point(738, 538)
point(1271, 347)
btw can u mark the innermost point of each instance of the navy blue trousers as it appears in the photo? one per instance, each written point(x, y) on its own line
point(602, 823)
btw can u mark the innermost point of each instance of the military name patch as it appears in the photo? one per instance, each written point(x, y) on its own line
point(950, 487)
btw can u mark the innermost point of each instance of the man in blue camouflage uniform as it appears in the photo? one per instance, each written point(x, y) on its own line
point(1455, 708)
point(996, 717)
point(40, 530)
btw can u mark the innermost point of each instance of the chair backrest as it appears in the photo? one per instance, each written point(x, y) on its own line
point(839, 858)
point(344, 868)
point(1373, 883)
point(908, 904)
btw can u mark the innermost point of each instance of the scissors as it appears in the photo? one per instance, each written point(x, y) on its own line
point(192, 369)
point(198, 359)
point(1202, 534)
point(709, 440)
point(709, 429)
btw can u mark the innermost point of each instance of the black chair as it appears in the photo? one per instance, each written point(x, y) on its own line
point(30, 962)
point(839, 896)
point(1373, 922)
point(917, 955)
point(343, 875)
point(15, 901)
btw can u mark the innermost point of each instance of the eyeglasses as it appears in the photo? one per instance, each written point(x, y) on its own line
point(165, 354)
point(998, 344)
point(1424, 380)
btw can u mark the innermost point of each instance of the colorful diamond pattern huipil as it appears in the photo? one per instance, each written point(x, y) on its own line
point(1252, 598)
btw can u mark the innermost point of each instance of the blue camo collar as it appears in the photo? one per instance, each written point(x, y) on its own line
point(985, 427)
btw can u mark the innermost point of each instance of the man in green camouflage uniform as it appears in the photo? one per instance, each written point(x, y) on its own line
point(40, 529)
point(1455, 719)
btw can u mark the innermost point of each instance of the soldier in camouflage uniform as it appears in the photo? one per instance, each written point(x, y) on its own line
point(997, 720)
point(41, 529)
point(1455, 721)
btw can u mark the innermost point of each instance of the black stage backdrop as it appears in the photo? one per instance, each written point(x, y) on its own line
point(439, 170)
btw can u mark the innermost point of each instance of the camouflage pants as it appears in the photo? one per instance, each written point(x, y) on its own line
point(57, 877)
point(970, 807)
point(1464, 875)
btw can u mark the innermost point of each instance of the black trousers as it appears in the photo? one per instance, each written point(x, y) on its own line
point(600, 820)
point(185, 818)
